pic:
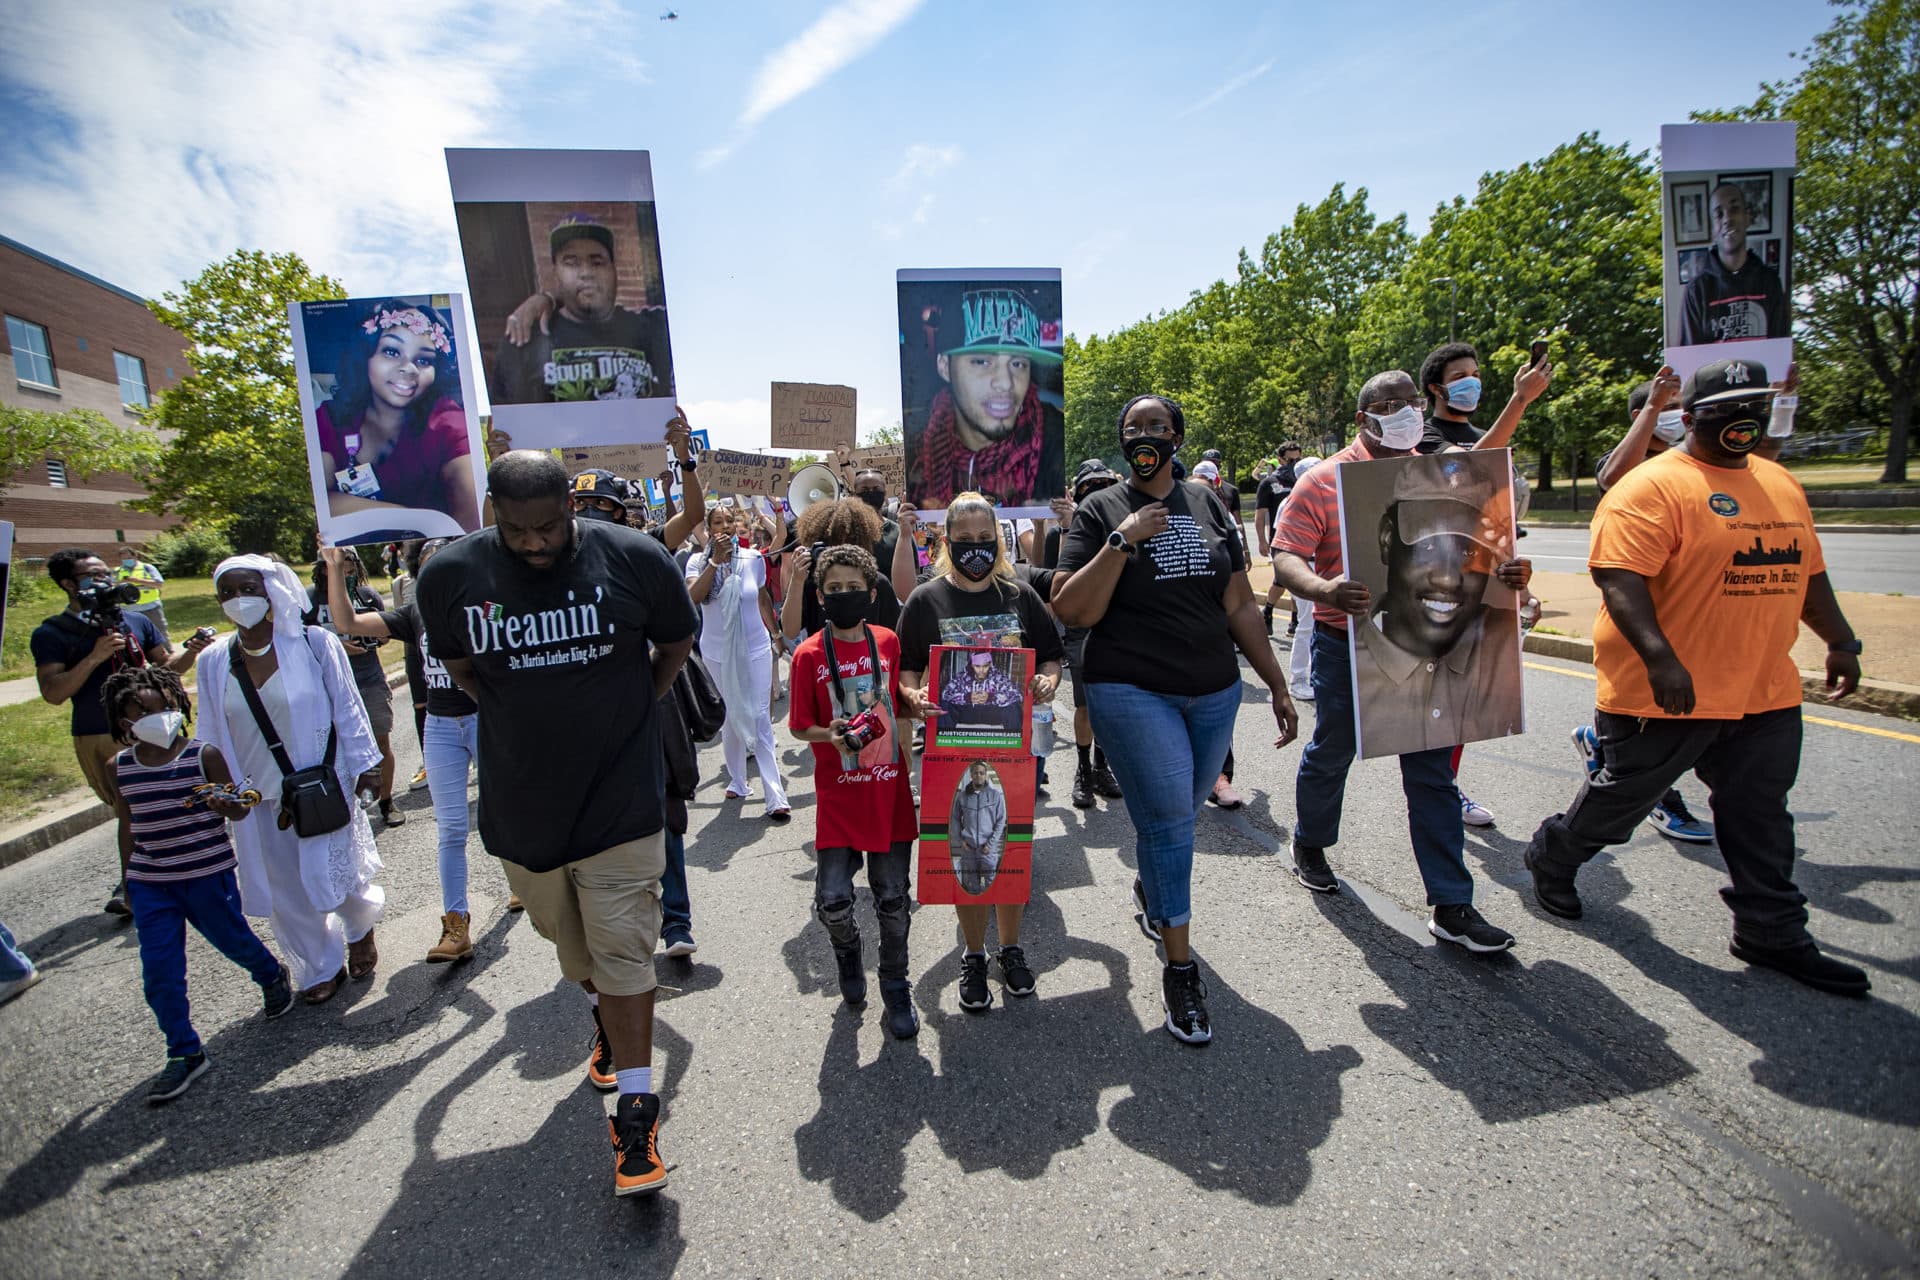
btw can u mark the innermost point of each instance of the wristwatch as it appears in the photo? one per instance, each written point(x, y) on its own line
point(1118, 541)
point(1852, 646)
point(692, 463)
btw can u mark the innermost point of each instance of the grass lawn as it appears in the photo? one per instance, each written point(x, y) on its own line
point(36, 756)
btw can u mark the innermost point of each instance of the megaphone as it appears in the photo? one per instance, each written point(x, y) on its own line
point(812, 483)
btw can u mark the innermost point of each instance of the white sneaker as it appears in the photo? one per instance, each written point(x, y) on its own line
point(1300, 695)
point(8, 990)
point(1472, 814)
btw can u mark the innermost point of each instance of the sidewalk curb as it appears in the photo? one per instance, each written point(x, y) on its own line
point(1882, 697)
point(68, 825)
point(1817, 528)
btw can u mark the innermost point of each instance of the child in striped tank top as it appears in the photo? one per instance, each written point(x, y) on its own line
point(178, 862)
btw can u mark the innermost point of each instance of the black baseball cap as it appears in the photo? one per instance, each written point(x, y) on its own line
point(1212, 455)
point(598, 482)
point(1002, 319)
point(1723, 381)
point(579, 226)
point(1091, 473)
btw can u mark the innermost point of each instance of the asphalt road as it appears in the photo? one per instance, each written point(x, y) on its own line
point(1882, 563)
point(1615, 1097)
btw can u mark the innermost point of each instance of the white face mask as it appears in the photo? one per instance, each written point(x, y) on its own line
point(1671, 426)
point(159, 729)
point(246, 611)
point(1401, 430)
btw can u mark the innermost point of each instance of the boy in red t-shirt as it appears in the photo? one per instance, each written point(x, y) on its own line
point(862, 780)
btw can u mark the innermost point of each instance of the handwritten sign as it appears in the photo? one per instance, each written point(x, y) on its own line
point(811, 415)
point(751, 474)
point(631, 461)
point(890, 461)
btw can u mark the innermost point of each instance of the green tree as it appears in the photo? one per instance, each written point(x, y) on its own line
point(1857, 209)
point(237, 460)
point(82, 439)
point(1567, 246)
point(889, 436)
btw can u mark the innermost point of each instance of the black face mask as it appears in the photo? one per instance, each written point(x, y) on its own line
point(875, 498)
point(1737, 431)
point(845, 609)
point(974, 560)
point(1149, 454)
point(592, 512)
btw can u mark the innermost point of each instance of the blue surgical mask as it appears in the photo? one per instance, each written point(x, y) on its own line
point(1463, 394)
point(126, 562)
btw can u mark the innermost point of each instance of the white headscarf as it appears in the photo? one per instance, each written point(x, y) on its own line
point(284, 592)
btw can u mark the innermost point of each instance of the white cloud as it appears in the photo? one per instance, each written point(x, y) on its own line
point(837, 37)
point(188, 133)
point(923, 160)
point(1232, 86)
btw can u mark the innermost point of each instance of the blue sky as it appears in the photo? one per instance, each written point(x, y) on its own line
point(803, 151)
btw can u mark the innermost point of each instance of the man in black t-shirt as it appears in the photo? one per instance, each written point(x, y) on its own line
point(589, 348)
point(547, 623)
point(1266, 514)
point(75, 651)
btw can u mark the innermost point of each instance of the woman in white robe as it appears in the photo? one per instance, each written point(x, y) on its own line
point(729, 583)
point(316, 891)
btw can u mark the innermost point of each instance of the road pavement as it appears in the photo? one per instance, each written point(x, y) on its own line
point(1617, 1096)
point(1883, 563)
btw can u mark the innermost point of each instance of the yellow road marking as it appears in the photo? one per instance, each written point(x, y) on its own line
point(1895, 734)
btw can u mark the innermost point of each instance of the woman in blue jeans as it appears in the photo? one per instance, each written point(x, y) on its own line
point(450, 742)
point(1154, 568)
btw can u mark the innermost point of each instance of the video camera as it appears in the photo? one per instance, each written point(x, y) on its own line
point(101, 600)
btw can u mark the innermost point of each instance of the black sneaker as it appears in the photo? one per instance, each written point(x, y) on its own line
point(901, 1022)
point(635, 1124)
point(1464, 927)
point(117, 901)
point(1310, 869)
point(975, 996)
point(1293, 625)
point(853, 978)
point(1183, 993)
point(600, 1070)
point(1805, 963)
point(1083, 787)
point(277, 996)
point(1104, 783)
point(1014, 974)
point(391, 815)
point(1555, 893)
point(1266, 618)
point(1140, 916)
point(176, 1079)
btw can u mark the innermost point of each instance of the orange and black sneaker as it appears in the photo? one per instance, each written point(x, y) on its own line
point(635, 1125)
point(600, 1061)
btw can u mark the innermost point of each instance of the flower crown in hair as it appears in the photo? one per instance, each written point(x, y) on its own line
point(413, 320)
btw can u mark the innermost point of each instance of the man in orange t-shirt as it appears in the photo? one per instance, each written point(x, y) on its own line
point(1707, 563)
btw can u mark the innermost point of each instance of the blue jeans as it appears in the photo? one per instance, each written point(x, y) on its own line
point(161, 914)
point(1166, 751)
point(448, 743)
point(14, 964)
point(676, 908)
point(1433, 801)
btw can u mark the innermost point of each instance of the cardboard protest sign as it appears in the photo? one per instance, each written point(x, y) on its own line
point(889, 460)
point(749, 474)
point(1438, 661)
point(570, 235)
point(387, 409)
point(1727, 243)
point(630, 461)
point(810, 415)
point(982, 396)
point(977, 779)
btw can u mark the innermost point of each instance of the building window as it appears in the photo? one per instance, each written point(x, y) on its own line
point(133, 379)
point(56, 473)
point(32, 356)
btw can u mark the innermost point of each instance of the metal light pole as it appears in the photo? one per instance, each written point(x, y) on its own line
point(1453, 301)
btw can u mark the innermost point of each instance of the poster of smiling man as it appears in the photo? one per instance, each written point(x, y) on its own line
point(1727, 242)
point(387, 406)
point(563, 262)
point(1436, 661)
point(982, 395)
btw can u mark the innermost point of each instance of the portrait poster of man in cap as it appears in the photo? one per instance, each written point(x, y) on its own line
point(982, 397)
point(562, 251)
point(1437, 661)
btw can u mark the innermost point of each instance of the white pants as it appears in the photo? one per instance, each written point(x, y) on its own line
point(738, 736)
point(314, 942)
point(1300, 658)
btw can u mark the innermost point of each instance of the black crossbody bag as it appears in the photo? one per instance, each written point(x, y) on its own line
point(312, 797)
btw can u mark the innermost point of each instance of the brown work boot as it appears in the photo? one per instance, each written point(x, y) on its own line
point(455, 942)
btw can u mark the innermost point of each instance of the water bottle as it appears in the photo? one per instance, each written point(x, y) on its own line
point(1043, 730)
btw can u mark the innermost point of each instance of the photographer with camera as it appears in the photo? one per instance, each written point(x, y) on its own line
point(75, 651)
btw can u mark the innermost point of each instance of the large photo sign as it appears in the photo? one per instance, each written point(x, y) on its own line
point(1437, 661)
point(982, 396)
point(563, 264)
point(387, 406)
point(1727, 243)
point(977, 777)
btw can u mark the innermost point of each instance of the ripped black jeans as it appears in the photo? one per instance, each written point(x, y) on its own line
point(888, 876)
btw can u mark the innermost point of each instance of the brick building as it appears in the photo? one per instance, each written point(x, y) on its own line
point(73, 341)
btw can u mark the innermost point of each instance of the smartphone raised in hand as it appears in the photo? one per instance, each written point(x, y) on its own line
point(1539, 353)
